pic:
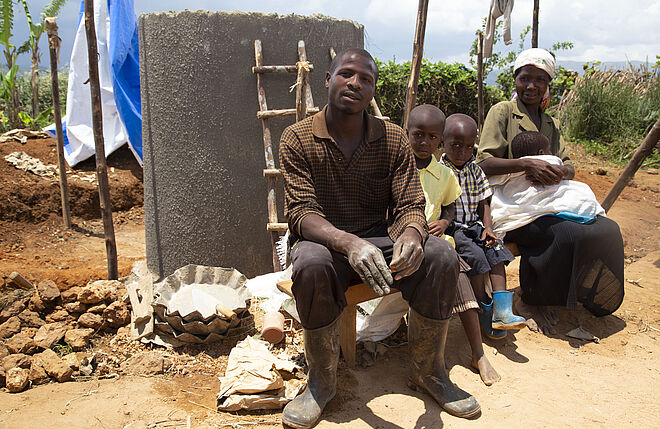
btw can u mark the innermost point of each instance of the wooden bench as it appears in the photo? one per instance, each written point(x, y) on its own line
point(354, 295)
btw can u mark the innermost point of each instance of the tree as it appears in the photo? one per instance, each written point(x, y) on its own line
point(32, 44)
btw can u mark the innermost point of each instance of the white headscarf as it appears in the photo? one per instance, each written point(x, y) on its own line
point(537, 57)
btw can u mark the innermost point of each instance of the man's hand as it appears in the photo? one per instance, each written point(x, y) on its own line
point(489, 237)
point(368, 261)
point(438, 227)
point(408, 253)
point(543, 173)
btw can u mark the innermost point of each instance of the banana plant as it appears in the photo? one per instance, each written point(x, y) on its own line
point(9, 82)
point(32, 44)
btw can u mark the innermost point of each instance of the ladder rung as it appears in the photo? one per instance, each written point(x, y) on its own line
point(278, 69)
point(265, 114)
point(277, 227)
point(272, 172)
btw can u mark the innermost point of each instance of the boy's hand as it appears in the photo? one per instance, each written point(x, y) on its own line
point(489, 237)
point(438, 227)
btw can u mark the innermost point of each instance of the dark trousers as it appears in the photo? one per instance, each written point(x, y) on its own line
point(321, 277)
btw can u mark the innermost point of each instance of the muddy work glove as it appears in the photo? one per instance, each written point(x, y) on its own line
point(368, 261)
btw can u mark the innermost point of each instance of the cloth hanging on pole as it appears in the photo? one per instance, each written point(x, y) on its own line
point(498, 8)
point(119, 76)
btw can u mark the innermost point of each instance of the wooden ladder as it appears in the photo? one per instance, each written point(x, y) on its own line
point(304, 103)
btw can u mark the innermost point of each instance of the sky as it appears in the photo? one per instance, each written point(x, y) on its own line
point(601, 30)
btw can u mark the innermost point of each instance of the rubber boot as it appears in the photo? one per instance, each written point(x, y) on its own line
point(503, 317)
point(322, 355)
point(426, 340)
point(486, 322)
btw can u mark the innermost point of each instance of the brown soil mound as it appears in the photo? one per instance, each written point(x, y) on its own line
point(30, 198)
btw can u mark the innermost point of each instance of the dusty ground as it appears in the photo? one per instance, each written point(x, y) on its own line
point(545, 381)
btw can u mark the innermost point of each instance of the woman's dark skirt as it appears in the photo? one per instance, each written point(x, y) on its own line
point(565, 262)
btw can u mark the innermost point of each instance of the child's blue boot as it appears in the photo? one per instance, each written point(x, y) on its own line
point(486, 322)
point(503, 317)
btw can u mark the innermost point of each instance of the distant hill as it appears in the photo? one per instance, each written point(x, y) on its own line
point(577, 66)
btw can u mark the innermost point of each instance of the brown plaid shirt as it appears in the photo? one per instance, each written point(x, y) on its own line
point(354, 196)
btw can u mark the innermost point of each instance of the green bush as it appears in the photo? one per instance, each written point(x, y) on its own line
point(451, 87)
point(609, 113)
point(45, 91)
point(602, 112)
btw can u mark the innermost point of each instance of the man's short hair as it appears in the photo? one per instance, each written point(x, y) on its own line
point(528, 143)
point(359, 51)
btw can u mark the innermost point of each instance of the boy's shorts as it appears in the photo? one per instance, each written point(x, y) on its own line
point(480, 258)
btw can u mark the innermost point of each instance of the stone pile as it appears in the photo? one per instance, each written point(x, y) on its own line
point(36, 321)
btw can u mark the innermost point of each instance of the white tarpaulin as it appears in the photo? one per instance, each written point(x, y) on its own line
point(116, 32)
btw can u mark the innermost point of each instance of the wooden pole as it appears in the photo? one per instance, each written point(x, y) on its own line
point(301, 83)
point(480, 82)
point(535, 25)
point(97, 125)
point(54, 47)
point(418, 54)
point(635, 162)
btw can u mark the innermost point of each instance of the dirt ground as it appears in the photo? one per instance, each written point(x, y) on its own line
point(546, 381)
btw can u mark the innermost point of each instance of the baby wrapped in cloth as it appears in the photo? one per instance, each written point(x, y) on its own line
point(516, 202)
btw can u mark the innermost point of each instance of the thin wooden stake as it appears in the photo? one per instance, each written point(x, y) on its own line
point(535, 25)
point(97, 124)
point(54, 47)
point(635, 162)
point(418, 54)
point(480, 82)
point(301, 83)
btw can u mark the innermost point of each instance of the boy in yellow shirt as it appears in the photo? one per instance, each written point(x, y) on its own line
point(441, 190)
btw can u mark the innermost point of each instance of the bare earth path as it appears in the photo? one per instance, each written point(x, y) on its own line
point(546, 381)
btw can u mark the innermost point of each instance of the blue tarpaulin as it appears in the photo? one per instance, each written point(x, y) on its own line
point(119, 75)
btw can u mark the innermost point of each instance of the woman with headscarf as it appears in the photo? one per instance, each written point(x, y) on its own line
point(563, 262)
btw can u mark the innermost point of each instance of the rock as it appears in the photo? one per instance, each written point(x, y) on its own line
point(50, 334)
point(15, 360)
point(78, 339)
point(149, 363)
point(99, 291)
point(59, 316)
point(37, 374)
point(70, 294)
point(36, 304)
point(10, 327)
point(30, 319)
point(97, 309)
point(75, 307)
point(72, 360)
point(21, 343)
point(16, 379)
point(4, 351)
point(13, 302)
point(30, 332)
point(117, 314)
point(90, 320)
point(54, 366)
point(18, 281)
point(48, 290)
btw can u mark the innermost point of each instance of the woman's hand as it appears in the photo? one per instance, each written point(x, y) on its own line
point(489, 237)
point(542, 173)
point(438, 227)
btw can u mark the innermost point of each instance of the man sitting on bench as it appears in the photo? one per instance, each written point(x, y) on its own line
point(355, 208)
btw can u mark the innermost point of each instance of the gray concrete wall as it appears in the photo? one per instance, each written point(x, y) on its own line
point(204, 193)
